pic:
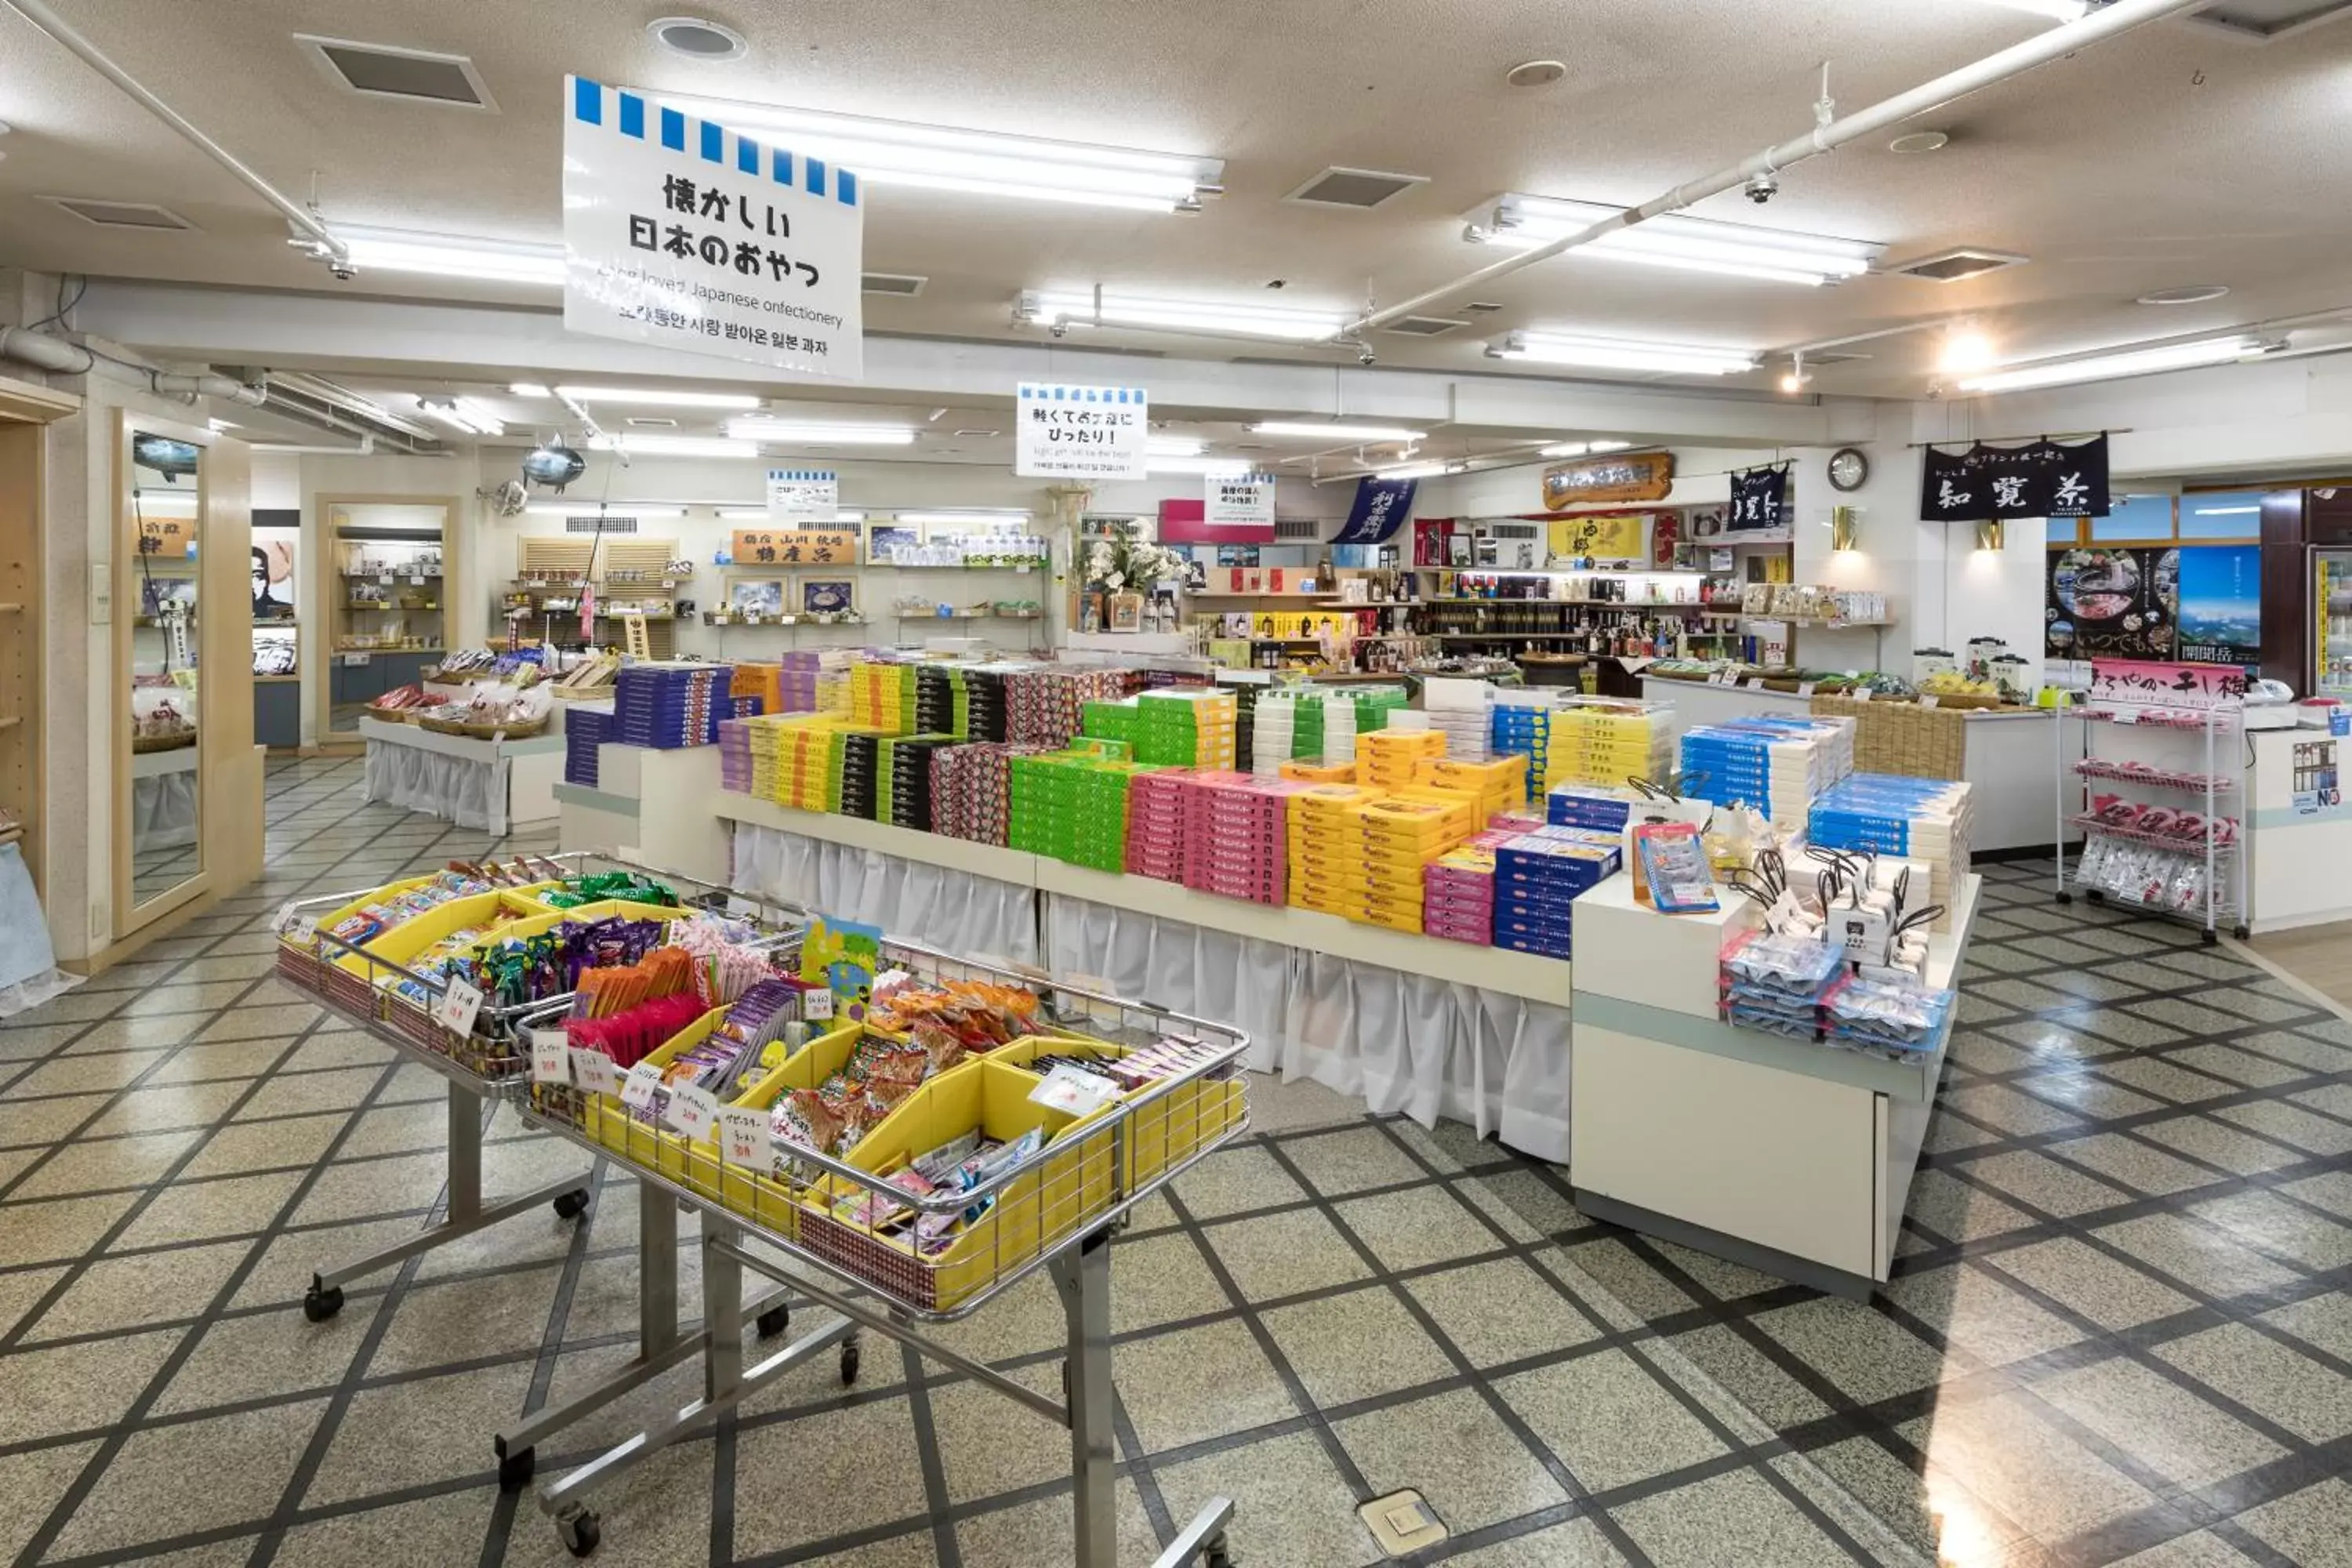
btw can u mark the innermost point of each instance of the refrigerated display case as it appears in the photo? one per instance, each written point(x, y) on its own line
point(2331, 609)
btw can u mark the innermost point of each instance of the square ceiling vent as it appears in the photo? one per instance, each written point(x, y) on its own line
point(1423, 326)
point(1953, 265)
point(121, 214)
point(905, 284)
point(387, 70)
point(1358, 188)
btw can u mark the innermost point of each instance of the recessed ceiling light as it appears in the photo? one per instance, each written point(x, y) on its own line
point(1536, 73)
point(2189, 294)
point(697, 40)
point(1920, 141)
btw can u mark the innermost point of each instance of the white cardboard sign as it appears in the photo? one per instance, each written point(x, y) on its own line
point(680, 233)
point(803, 495)
point(459, 1004)
point(594, 1071)
point(1233, 500)
point(1075, 432)
point(692, 1111)
point(745, 1138)
point(550, 1058)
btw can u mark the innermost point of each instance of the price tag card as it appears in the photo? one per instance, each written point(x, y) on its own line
point(417, 581)
point(594, 1071)
point(745, 1138)
point(550, 1058)
point(1859, 694)
point(1804, 688)
point(303, 929)
point(815, 1005)
point(383, 576)
point(693, 1111)
point(1927, 699)
point(283, 917)
point(637, 1089)
point(1753, 683)
point(457, 1007)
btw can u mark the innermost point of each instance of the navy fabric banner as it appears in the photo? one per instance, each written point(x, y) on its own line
point(1381, 506)
point(2042, 478)
point(1760, 500)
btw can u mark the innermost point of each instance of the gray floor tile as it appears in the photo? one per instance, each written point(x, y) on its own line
point(2267, 1378)
point(1933, 1514)
point(2158, 1421)
point(408, 1433)
point(1416, 1227)
point(2199, 1256)
point(2289, 1123)
point(1285, 1254)
point(2312, 1527)
point(2324, 1322)
point(2200, 1549)
point(1500, 1312)
point(110, 1162)
point(1025, 1535)
point(78, 1387)
point(96, 1073)
point(2146, 1171)
point(1290, 1503)
point(1957, 1211)
point(1579, 1543)
point(199, 1475)
point(1868, 1354)
point(2084, 1280)
point(2045, 1184)
point(990, 1445)
point(50, 1230)
point(35, 1482)
point(231, 1205)
point(1624, 1280)
point(1457, 1453)
point(1608, 1419)
point(2240, 1154)
point(122, 1292)
point(1199, 1383)
point(1356, 1345)
point(1337, 1164)
point(2022, 1465)
point(448, 1528)
point(1737, 1517)
point(1748, 1375)
point(1981, 1315)
point(2289, 1230)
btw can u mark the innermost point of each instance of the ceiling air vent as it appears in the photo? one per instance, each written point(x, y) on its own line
point(650, 423)
point(119, 214)
point(1294, 529)
point(600, 525)
point(382, 70)
point(1423, 326)
point(2270, 20)
point(1482, 306)
point(977, 434)
point(1353, 188)
point(1952, 266)
point(900, 283)
point(1833, 356)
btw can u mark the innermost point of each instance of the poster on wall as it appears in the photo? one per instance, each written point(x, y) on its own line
point(1238, 499)
point(1621, 538)
point(1076, 432)
point(273, 573)
point(2318, 781)
point(2041, 479)
point(1760, 499)
point(2222, 604)
point(1379, 509)
point(803, 495)
point(2112, 603)
point(679, 233)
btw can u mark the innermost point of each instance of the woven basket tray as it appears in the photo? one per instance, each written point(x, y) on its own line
point(522, 729)
point(145, 743)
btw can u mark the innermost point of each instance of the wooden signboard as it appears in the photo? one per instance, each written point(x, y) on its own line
point(1636, 477)
point(168, 537)
point(1603, 537)
point(795, 547)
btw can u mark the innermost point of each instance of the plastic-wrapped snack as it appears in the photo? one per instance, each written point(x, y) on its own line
point(1787, 963)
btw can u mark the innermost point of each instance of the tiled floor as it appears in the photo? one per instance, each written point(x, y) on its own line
point(2120, 1329)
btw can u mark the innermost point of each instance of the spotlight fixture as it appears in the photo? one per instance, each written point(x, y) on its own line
point(1614, 354)
point(1966, 350)
point(1794, 380)
point(1688, 244)
point(2123, 363)
point(694, 38)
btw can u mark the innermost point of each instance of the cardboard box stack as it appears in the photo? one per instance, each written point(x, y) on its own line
point(1325, 846)
point(910, 778)
point(1458, 710)
point(667, 706)
point(1916, 819)
point(882, 697)
point(1607, 744)
point(972, 789)
point(1236, 836)
point(1538, 876)
point(1386, 758)
point(1494, 784)
point(1156, 828)
point(1458, 896)
point(1595, 807)
point(1186, 726)
point(1777, 765)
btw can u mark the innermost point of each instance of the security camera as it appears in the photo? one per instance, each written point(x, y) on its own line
point(343, 271)
point(1762, 187)
point(1364, 357)
point(1060, 329)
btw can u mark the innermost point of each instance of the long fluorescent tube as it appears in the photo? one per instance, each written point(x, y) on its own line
point(760, 514)
point(674, 446)
point(2228, 511)
point(1158, 464)
point(1413, 471)
point(2057, 10)
point(1582, 448)
point(452, 255)
point(2109, 367)
point(1338, 434)
point(819, 432)
point(1082, 308)
point(1691, 244)
point(954, 518)
point(1615, 353)
point(1173, 445)
point(613, 508)
point(656, 398)
point(462, 414)
point(529, 389)
point(930, 157)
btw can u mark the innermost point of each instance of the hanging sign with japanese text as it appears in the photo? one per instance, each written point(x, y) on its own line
point(2041, 479)
point(2158, 683)
point(1080, 432)
point(170, 537)
point(1643, 476)
point(679, 233)
point(1238, 499)
point(803, 495)
point(1599, 538)
point(1380, 508)
point(1760, 500)
point(795, 547)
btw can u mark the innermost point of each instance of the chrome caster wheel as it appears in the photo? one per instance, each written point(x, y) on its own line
point(578, 1529)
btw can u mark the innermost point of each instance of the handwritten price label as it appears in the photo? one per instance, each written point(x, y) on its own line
point(817, 1005)
point(550, 1058)
point(638, 1089)
point(594, 1071)
point(745, 1138)
point(692, 1111)
point(459, 1005)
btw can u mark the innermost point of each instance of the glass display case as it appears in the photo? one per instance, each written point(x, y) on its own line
point(385, 591)
point(2331, 608)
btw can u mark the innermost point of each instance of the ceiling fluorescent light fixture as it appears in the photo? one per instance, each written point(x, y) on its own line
point(819, 433)
point(1616, 353)
point(1165, 464)
point(965, 518)
point(1058, 307)
point(656, 398)
point(529, 389)
point(1582, 448)
point(760, 514)
point(1338, 435)
point(462, 414)
point(889, 152)
point(1690, 244)
point(2112, 366)
point(1173, 445)
point(2057, 10)
point(611, 509)
point(674, 446)
point(452, 255)
point(2228, 511)
point(1414, 471)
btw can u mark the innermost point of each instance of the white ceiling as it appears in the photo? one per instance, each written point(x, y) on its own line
point(2174, 155)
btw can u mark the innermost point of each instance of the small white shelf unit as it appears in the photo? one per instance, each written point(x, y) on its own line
point(2157, 755)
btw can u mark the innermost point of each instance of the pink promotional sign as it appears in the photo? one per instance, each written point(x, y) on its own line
point(2199, 686)
point(1185, 522)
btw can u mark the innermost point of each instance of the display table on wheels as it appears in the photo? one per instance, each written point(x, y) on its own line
point(1787, 1155)
point(494, 785)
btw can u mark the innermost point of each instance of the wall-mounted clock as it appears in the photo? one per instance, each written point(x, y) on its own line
point(1848, 468)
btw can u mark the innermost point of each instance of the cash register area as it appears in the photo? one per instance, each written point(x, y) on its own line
point(2117, 1330)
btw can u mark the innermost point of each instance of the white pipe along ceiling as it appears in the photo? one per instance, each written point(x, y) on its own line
point(1828, 136)
point(46, 352)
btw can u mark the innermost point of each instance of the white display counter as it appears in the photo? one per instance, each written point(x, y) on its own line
point(494, 785)
point(2010, 754)
point(1785, 1155)
point(2300, 869)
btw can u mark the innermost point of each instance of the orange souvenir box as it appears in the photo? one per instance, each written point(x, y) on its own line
point(1318, 773)
point(1496, 784)
point(1389, 756)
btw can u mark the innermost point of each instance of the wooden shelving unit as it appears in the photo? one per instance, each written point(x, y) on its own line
point(20, 614)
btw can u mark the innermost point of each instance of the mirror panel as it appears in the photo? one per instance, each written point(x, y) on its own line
point(161, 506)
